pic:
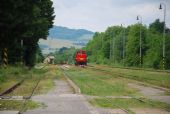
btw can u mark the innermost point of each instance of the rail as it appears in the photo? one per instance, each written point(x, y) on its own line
point(120, 75)
point(21, 111)
point(12, 88)
point(123, 109)
point(134, 68)
point(139, 99)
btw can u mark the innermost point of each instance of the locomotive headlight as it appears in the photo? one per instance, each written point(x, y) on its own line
point(81, 58)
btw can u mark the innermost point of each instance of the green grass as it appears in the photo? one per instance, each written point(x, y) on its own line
point(47, 83)
point(17, 105)
point(152, 77)
point(100, 84)
point(167, 93)
point(11, 72)
point(129, 103)
point(12, 75)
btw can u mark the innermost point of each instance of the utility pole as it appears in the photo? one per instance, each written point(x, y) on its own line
point(113, 53)
point(102, 41)
point(163, 40)
point(21, 51)
point(110, 48)
point(123, 44)
point(140, 18)
point(49, 48)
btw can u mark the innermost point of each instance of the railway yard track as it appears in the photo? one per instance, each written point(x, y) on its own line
point(123, 109)
point(131, 68)
point(26, 98)
point(119, 75)
point(11, 89)
point(5, 94)
point(65, 71)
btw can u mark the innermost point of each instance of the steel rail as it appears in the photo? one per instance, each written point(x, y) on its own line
point(123, 76)
point(12, 88)
point(123, 109)
point(21, 111)
point(139, 99)
point(131, 68)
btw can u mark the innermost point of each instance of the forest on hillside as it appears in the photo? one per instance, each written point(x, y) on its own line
point(120, 46)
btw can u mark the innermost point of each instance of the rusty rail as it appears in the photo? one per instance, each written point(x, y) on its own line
point(12, 88)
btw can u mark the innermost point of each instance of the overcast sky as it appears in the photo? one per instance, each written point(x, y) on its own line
point(97, 15)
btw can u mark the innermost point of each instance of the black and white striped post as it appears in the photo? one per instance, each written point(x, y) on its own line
point(5, 57)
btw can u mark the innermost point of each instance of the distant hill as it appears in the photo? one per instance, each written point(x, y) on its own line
point(58, 32)
point(65, 37)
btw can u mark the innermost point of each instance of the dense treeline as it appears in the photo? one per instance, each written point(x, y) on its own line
point(64, 55)
point(121, 46)
point(22, 24)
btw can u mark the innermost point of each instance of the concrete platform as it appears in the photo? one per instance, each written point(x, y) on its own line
point(8, 112)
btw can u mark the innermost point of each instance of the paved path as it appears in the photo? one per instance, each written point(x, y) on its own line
point(8, 112)
point(152, 93)
point(61, 100)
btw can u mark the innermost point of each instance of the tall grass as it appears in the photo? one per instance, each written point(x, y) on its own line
point(100, 84)
point(14, 74)
point(152, 77)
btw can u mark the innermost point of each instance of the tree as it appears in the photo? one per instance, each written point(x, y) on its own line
point(39, 55)
point(26, 20)
point(65, 55)
point(156, 26)
point(153, 56)
point(107, 47)
point(168, 49)
point(133, 45)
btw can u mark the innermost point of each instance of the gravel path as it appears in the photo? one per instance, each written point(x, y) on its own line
point(8, 112)
point(61, 100)
point(152, 93)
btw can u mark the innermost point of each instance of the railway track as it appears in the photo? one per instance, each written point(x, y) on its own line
point(123, 109)
point(23, 108)
point(12, 88)
point(121, 75)
point(16, 85)
point(139, 99)
point(131, 68)
point(21, 111)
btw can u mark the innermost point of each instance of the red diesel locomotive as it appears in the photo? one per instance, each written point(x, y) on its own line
point(81, 58)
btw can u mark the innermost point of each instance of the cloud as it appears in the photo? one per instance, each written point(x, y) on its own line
point(97, 15)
